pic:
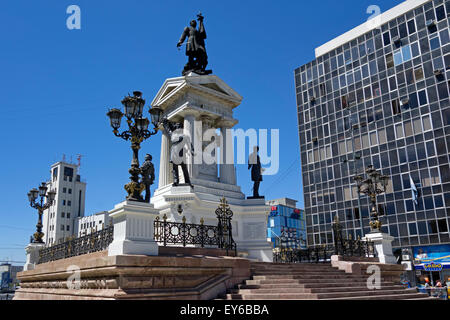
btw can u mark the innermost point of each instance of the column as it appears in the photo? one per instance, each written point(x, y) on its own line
point(189, 120)
point(164, 165)
point(227, 172)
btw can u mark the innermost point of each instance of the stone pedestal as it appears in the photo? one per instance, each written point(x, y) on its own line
point(383, 246)
point(133, 229)
point(32, 251)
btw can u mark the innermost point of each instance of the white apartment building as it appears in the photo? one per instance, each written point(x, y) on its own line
point(61, 220)
point(96, 222)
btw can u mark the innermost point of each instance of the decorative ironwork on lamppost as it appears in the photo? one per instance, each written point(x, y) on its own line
point(374, 185)
point(137, 132)
point(33, 195)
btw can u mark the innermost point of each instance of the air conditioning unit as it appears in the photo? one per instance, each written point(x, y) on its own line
point(430, 23)
point(397, 40)
point(312, 99)
point(314, 139)
point(404, 101)
point(438, 72)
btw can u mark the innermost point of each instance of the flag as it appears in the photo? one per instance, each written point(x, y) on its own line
point(415, 193)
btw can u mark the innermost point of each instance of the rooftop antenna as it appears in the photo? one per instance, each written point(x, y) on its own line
point(79, 156)
point(64, 158)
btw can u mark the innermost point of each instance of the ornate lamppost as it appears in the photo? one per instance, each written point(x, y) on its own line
point(374, 185)
point(137, 132)
point(33, 195)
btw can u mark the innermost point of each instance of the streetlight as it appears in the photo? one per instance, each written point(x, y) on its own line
point(137, 132)
point(33, 195)
point(374, 185)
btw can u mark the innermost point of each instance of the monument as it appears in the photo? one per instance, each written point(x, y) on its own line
point(197, 102)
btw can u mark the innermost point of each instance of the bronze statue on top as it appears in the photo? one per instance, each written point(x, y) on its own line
point(195, 47)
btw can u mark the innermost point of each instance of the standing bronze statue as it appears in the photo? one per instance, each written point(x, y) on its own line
point(180, 145)
point(195, 47)
point(254, 163)
point(148, 176)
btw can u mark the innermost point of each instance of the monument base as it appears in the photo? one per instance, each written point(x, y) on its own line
point(32, 251)
point(383, 246)
point(133, 229)
point(132, 277)
point(249, 220)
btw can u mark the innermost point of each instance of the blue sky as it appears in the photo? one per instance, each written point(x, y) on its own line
point(56, 85)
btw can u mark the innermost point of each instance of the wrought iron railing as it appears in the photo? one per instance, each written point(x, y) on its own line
point(318, 254)
point(176, 233)
point(343, 246)
point(355, 248)
point(93, 242)
point(323, 253)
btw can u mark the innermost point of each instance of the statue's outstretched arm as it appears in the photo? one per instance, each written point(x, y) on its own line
point(202, 30)
point(183, 36)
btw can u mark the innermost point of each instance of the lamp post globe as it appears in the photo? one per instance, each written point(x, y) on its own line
point(138, 131)
point(374, 185)
point(36, 198)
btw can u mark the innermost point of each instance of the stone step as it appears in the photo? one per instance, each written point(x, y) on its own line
point(310, 272)
point(365, 293)
point(405, 296)
point(315, 275)
point(372, 295)
point(308, 290)
point(315, 282)
point(305, 276)
point(291, 284)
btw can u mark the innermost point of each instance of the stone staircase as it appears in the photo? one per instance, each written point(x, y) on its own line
point(271, 281)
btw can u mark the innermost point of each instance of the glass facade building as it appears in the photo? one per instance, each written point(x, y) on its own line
point(287, 224)
point(380, 98)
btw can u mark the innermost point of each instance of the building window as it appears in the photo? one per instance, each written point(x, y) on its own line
point(67, 228)
point(418, 74)
point(62, 227)
point(411, 26)
point(62, 214)
point(68, 215)
point(69, 203)
point(434, 43)
point(396, 106)
point(389, 60)
point(64, 190)
point(70, 191)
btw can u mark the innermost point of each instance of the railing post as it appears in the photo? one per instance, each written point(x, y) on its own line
point(350, 243)
point(202, 232)
point(164, 228)
point(183, 226)
point(367, 249)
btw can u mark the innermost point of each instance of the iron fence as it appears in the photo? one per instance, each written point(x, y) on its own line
point(175, 233)
point(94, 242)
point(318, 254)
point(343, 246)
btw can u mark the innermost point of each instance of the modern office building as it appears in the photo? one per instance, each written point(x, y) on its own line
point(61, 219)
point(287, 225)
point(379, 94)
